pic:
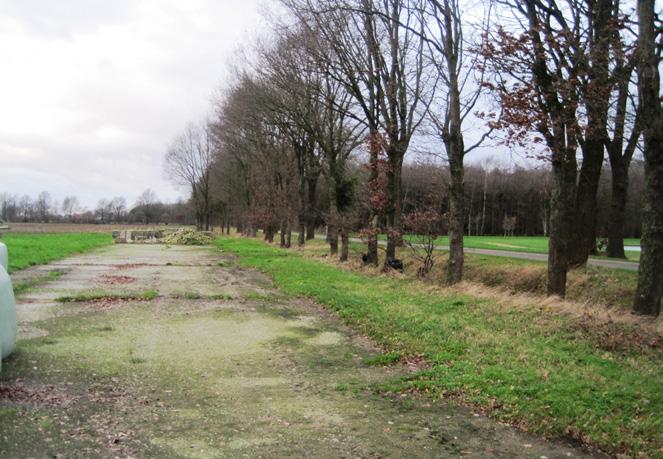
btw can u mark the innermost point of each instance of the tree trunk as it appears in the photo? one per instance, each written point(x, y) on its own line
point(288, 235)
point(310, 231)
point(303, 213)
point(372, 242)
point(561, 220)
point(456, 218)
point(453, 140)
point(282, 232)
point(345, 243)
point(207, 210)
point(394, 213)
point(269, 233)
point(650, 275)
point(619, 172)
point(311, 209)
point(332, 218)
point(584, 236)
point(597, 99)
point(301, 237)
point(481, 230)
point(332, 237)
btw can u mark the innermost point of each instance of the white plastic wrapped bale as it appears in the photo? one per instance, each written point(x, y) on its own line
point(7, 315)
point(4, 258)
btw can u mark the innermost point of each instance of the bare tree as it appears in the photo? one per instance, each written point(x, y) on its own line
point(26, 208)
point(423, 226)
point(252, 134)
point(9, 206)
point(380, 63)
point(149, 206)
point(557, 86)
point(70, 207)
point(292, 75)
point(650, 50)
point(43, 206)
point(460, 83)
point(593, 60)
point(188, 163)
point(316, 115)
point(103, 211)
point(118, 209)
point(235, 142)
point(623, 132)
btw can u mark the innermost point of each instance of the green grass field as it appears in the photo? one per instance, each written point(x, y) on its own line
point(27, 249)
point(530, 244)
point(534, 244)
point(546, 372)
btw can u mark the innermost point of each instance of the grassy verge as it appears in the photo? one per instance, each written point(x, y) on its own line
point(526, 244)
point(36, 249)
point(536, 369)
point(593, 285)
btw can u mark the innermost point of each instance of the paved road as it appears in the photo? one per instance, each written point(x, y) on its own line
point(219, 364)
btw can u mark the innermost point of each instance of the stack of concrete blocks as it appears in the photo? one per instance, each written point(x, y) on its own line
point(7, 308)
point(137, 236)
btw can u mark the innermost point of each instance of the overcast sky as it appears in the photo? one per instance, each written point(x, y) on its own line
point(92, 91)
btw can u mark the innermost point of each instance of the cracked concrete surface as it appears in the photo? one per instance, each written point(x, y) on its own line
point(219, 364)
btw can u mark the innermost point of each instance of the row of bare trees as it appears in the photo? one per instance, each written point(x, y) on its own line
point(348, 89)
point(564, 77)
point(147, 209)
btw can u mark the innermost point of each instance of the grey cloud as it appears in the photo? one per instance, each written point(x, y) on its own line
point(97, 89)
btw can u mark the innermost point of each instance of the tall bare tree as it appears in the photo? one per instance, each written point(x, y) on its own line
point(315, 113)
point(118, 207)
point(460, 86)
point(291, 76)
point(42, 206)
point(559, 66)
point(103, 211)
point(253, 134)
point(381, 65)
point(70, 206)
point(622, 136)
point(189, 163)
point(149, 206)
point(650, 50)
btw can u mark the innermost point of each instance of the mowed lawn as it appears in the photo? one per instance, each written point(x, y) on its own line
point(533, 244)
point(27, 249)
point(548, 372)
point(529, 244)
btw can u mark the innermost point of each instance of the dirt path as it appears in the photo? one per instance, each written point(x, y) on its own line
point(217, 365)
